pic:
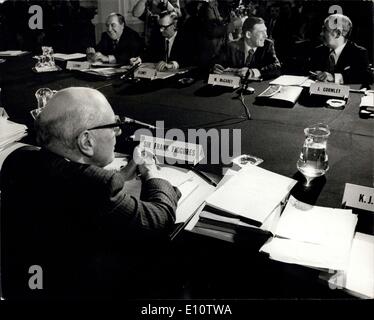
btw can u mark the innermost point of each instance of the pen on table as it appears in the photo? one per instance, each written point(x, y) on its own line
point(312, 73)
point(204, 176)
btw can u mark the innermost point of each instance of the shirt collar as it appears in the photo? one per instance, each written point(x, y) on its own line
point(339, 50)
point(171, 40)
point(247, 47)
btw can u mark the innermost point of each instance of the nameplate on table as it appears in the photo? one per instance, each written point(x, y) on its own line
point(78, 65)
point(177, 150)
point(224, 80)
point(329, 90)
point(145, 73)
point(359, 197)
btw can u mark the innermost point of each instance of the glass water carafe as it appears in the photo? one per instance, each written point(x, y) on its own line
point(313, 161)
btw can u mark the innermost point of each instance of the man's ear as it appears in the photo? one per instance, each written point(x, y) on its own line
point(86, 143)
point(248, 34)
point(337, 33)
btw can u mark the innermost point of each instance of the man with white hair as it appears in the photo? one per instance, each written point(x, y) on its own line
point(339, 60)
point(62, 211)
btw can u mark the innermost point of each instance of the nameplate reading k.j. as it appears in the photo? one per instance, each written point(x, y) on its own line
point(359, 197)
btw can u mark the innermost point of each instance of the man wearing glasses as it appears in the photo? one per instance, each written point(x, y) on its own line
point(172, 50)
point(63, 212)
point(339, 60)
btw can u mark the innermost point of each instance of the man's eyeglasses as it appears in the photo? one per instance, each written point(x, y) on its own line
point(162, 28)
point(116, 126)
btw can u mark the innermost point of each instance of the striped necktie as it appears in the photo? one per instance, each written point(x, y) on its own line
point(331, 62)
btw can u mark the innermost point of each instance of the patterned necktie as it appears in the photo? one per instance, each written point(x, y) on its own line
point(114, 44)
point(332, 62)
point(166, 50)
point(249, 59)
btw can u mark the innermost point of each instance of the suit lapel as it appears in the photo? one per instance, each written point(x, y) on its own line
point(240, 55)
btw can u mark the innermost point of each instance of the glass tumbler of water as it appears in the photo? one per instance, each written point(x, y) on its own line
point(313, 160)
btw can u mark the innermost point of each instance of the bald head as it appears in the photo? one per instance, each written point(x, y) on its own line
point(69, 112)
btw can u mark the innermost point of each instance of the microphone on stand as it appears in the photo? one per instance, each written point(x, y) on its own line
point(133, 121)
point(131, 71)
point(245, 87)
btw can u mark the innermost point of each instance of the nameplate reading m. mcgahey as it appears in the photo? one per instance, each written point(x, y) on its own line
point(359, 197)
point(224, 80)
point(329, 90)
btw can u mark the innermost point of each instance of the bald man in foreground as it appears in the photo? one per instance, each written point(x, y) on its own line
point(68, 224)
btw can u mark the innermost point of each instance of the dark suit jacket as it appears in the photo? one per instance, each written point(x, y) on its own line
point(182, 50)
point(353, 62)
point(130, 45)
point(264, 59)
point(78, 223)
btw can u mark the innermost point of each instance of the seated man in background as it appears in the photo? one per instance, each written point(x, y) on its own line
point(62, 211)
point(253, 53)
point(173, 49)
point(119, 44)
point(149, 11)
point(339, 60)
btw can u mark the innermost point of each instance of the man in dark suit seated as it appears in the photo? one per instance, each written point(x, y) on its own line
point(172, 49)
point(253, 53)
point(62, 211)
point(119, 44)
point(339, 60)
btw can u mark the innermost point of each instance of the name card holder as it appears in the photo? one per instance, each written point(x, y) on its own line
point(177, 150)
point(224, 80)
point(145, 73)
point(329, 90)
point(78, 65)
point(359, 197)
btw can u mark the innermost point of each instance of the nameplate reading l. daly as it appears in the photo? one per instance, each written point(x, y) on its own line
point(146, 73)
point(329, 89)
point(78, 65)
point(359, 197)
point(224, 80)
point(177, 150)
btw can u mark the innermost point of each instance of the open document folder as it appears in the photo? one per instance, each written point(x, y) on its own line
point(313, 236)
point(193, 188)
point(253, 193)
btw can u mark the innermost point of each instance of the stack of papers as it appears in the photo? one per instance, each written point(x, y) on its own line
point(253, 193)
point(313, 236)
point(65, 57)
point(12, 53)
point(10, 132)
point(106, 72)
point(287, 80)
point(360, 272)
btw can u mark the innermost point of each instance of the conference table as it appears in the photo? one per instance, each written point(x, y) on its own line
point(210, 267)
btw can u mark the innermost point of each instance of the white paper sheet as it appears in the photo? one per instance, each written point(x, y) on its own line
point(360, 272)
point(252, 193)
